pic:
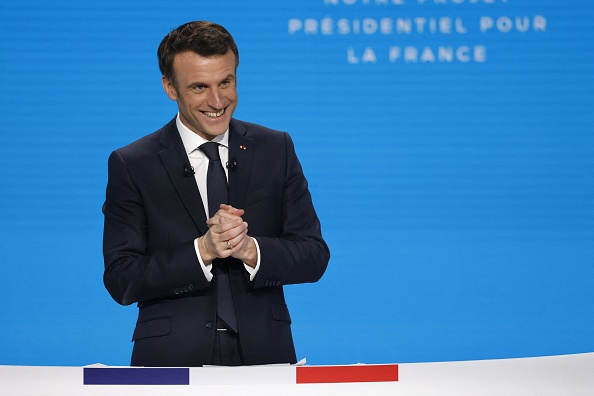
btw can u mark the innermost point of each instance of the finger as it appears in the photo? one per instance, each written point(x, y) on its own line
point(223, 214)
point(233, 232)
point(229, 226)
point(221, 223)
point(212, 243)
point(237, 243)
point(232, 210)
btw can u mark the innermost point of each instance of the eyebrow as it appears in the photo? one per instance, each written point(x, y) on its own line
point(229, 76)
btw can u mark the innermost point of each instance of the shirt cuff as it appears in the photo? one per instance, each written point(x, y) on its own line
point(205, 268)
point(250, 270)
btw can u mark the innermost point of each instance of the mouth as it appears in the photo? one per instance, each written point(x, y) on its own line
point(212, 114)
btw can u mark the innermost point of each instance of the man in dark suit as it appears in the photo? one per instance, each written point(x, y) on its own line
point(189, 269)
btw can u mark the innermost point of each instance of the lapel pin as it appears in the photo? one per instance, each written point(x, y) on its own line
point(243, 147)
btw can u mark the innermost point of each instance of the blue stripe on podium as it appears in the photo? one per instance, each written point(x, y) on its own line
point(136, 376)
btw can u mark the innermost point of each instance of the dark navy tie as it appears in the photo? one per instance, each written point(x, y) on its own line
point(217, 190)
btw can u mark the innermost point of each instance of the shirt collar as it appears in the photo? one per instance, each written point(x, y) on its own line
point(192, 140)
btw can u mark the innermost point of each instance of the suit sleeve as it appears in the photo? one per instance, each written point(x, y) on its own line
point(299, 254)
point(137, 270)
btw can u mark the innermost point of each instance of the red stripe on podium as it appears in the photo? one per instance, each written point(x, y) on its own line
point(336, 374)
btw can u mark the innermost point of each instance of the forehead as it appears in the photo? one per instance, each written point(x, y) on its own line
point(189, 66)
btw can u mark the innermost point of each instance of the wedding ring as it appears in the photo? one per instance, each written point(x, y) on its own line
point(229, 246)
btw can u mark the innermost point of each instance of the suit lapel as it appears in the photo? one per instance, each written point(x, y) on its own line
point(241, 149)
point(174, 159)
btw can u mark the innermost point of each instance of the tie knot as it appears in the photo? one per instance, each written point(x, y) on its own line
point(211, 150)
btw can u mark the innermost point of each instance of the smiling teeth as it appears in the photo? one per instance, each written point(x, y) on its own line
point(213, 115)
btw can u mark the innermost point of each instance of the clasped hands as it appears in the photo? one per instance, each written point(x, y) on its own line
point(227, 236)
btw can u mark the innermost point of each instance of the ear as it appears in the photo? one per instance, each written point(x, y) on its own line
point(169, 88)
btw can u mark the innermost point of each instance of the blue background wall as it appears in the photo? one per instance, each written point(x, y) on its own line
point(473, 239)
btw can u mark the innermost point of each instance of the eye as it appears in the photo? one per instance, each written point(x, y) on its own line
point(198, 87)
point(230, 80)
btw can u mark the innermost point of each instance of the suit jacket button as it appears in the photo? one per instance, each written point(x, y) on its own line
point(177, 291)
point(209, 324)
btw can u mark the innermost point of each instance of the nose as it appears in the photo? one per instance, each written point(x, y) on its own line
point(215, 98)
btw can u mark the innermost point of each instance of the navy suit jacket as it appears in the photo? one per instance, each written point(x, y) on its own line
point(153, 212)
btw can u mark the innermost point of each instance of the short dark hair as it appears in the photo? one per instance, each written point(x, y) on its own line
point(201, 37)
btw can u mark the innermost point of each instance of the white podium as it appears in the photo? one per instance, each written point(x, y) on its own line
point(555, 375)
